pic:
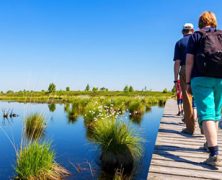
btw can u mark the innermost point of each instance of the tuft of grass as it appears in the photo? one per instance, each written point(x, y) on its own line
point(162, 102)
point(119, 144)
point(34, 126)
point(37, 161)
point(93, 111)
point(136, 107)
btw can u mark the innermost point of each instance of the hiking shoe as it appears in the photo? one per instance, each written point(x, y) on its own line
point(185, 131)
point(178, 114)
point(214, 161)
point(206, 147)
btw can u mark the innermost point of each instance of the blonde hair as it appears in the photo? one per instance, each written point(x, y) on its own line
point(207, 18)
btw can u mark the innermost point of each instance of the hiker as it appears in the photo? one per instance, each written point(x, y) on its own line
point(204, 79)
point(179, 69)
point(179, 98)
point(194, 109)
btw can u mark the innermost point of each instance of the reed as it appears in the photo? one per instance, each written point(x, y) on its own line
point(34, 126)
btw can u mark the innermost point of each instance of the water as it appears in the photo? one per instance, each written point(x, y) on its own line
point(69, 139)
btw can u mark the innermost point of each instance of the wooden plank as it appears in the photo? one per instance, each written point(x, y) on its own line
point(184, 165)
point(156, 176)
point(186, 172)
point(178, 156)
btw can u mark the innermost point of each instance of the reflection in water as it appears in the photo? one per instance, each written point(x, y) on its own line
point(136, 118)
point(161, 103)
point(90, 134)
point(81, 146)
point(52, 107)
point(148, 108)
point(67, 107)
point(7, 121)
point(75, 111)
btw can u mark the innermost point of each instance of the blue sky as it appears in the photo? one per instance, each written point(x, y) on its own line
point(108, 43)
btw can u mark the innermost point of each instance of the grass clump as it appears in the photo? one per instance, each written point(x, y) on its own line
point(119, 144)
point(137, 110)
point(35, 126)
point(75, 111)
point(136, 107)
point(93, 112)
point(37, 161)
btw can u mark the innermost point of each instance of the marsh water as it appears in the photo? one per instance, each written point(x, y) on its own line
point(70, 139)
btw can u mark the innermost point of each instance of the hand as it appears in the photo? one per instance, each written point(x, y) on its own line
point(188, 88)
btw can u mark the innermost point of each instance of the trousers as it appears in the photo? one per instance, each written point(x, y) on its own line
point(187, 103)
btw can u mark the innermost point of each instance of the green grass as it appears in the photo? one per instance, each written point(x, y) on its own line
point(93, 111)
point(34, 126)
point(71, 96)
point(119, 144)
point(37, 161)
point(136, 107)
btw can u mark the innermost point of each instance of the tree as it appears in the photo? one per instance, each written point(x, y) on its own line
point(103, 89)
point(67, 88)
point(126, 89)
point(87, 87)
point(174, 89)
point(10, 92)
point(165, 90)
point(52, 88)
point(95, 89)
point(131, 89)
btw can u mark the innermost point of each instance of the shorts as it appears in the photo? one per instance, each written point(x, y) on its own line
point(207, 93)
point(179, 101)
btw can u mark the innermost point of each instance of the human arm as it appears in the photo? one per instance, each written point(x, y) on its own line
point(189, 67)
point(177, 61)
point(176, 69)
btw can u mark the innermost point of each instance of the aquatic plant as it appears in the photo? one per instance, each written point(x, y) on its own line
point(119, 144)
point(75, 112)
point(34, 126)
point(36, 161)
point(117, 175)
point(93, 111)
point(52, 107)
point(136, 107)
point(148, 108)
point(67, 107)
point(162, 102)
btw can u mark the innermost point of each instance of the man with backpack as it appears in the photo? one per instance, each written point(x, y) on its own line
point(204, 75)
point(179, 69)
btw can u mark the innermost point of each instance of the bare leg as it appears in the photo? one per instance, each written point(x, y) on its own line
point(210, 132)
point(217, 124)
point(195, 113)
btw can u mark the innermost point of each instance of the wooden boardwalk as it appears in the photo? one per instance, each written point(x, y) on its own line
point(177, 156)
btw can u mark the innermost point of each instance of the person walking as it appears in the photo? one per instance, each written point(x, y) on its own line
point(179, 72)
point(204, 80)
point(179, 99)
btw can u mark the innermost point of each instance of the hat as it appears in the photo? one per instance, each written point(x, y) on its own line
point(188, 26)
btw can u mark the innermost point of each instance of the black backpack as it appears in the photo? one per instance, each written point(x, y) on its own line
point(209, 57)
